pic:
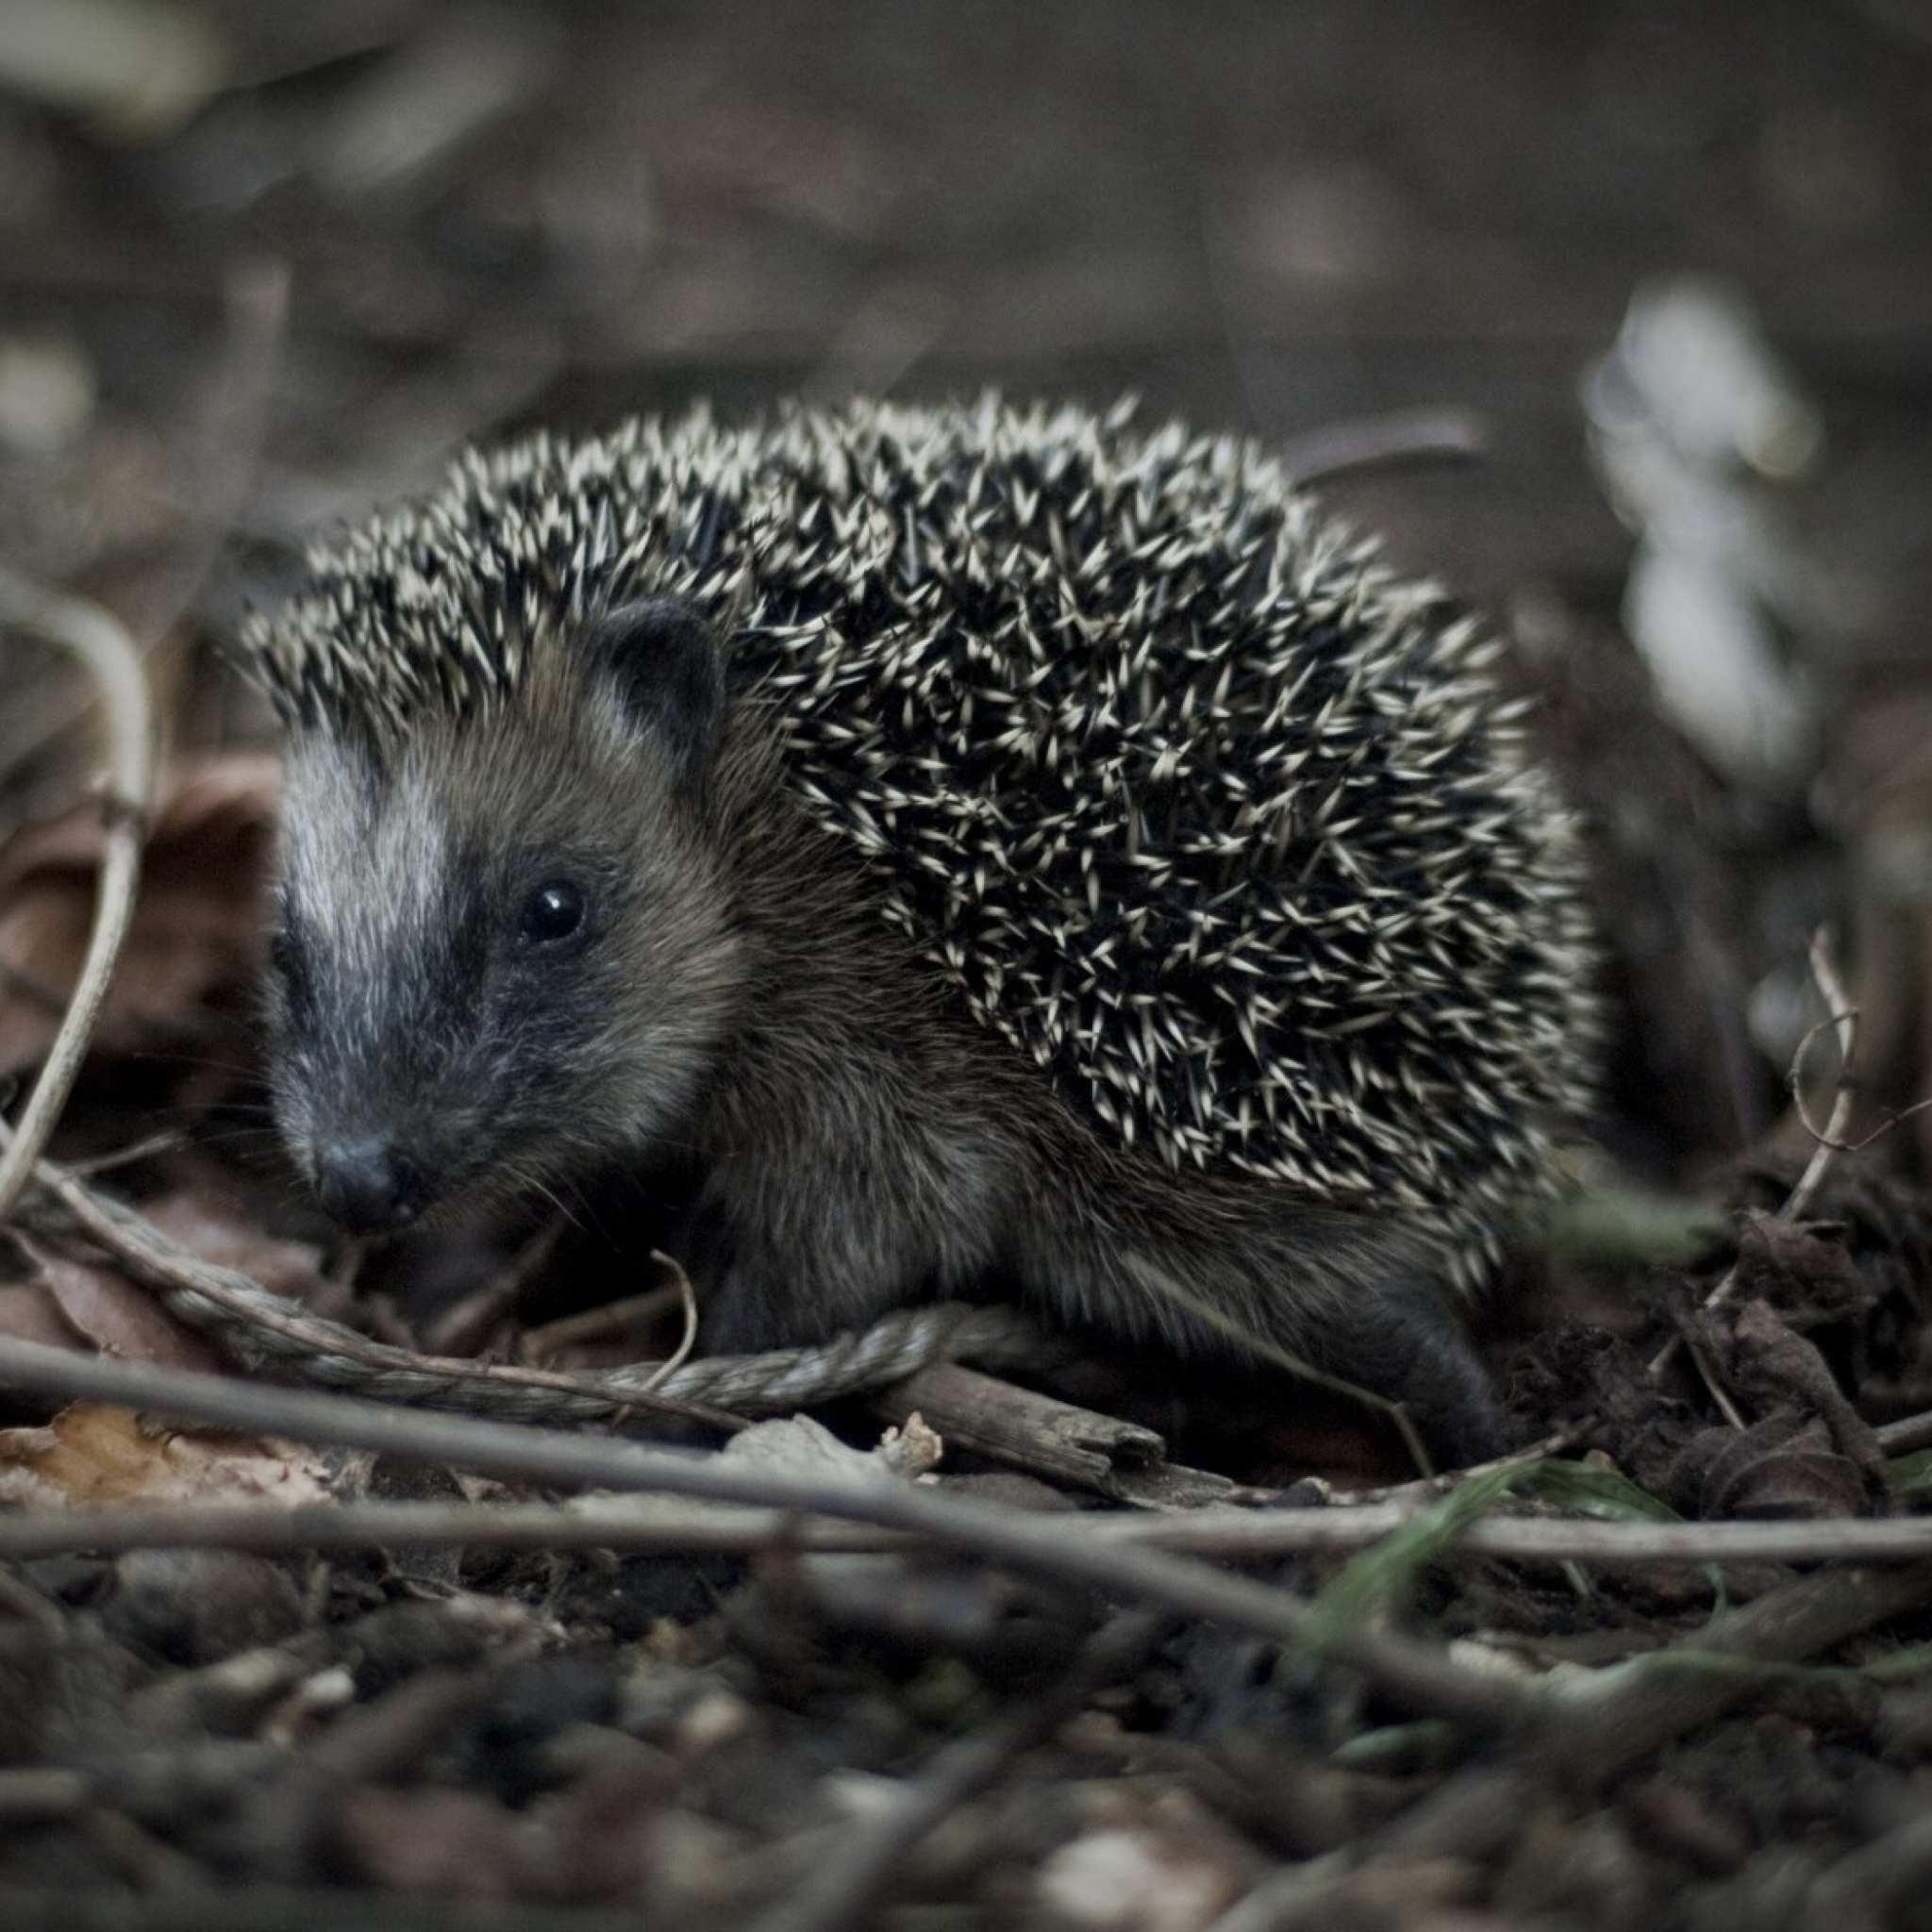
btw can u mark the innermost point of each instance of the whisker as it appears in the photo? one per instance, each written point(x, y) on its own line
point(537, 1185)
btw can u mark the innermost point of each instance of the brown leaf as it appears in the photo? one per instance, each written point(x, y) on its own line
point(196, 923)
point(1802, 1269)
point(30, 1312)
point(218, 1229)
point(116, 1316)
point(1570, 1375)
point(92, 1453)
point(1785, 1466)
point(1769, 1367)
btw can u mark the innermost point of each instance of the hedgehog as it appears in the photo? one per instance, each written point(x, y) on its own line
point(1004, 850)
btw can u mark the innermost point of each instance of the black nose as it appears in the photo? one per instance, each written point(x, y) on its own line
point(371, 1186)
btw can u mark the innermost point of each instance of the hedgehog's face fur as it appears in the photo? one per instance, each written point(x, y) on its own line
point(505, 949)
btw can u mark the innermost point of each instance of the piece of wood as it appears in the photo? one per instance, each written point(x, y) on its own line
point(1055, 1441)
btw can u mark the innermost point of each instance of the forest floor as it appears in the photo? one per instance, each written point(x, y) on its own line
point(1615, 319)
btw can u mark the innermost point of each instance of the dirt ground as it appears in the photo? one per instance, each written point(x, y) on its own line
point(1616, 320)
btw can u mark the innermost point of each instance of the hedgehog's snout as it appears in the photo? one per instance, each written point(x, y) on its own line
point(369, 1185)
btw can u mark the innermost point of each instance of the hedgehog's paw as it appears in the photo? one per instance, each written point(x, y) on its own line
point(1409, 1346)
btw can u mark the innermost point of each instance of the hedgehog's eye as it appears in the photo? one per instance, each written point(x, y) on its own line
point(554, 911)
point(281, 952)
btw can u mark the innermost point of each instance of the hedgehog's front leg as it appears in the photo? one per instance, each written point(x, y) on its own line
point(855, 1170)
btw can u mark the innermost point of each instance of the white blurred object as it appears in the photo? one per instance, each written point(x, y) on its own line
point(803, 1444)
point(47, 393)
point(425, 104)
point(1124, 1879)
point(141, 70)
point(1689, 414)
point(1694, 357)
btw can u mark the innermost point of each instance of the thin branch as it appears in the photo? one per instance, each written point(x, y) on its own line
point(1844, 1020)
point(1844, 1017)
point(664, 1526)
point(1413, 1673)
point(1024, 1429)
point(1616, 1720)
point(112, 660)
point(1895, 1117)
point(1432, 1488)
point(688, 1339)
point(593, 1325)
point(108, 1907)
point(292, 1330)
point(1715, 1383)
point(215, 456)
point(467, 1325)
point(1908, 1432)
point(1242, 1535)
point(254, 1326)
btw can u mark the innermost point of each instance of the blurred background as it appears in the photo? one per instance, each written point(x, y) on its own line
point(1616, 317)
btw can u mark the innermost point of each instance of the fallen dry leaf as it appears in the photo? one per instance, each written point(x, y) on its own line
point(29, 1313)
point(1783, 1466)
point(219, 1230)
point(197, 925)
point(105, 1308)
point(1769, 1365)
point(1802, 1269)
point(92, 1454)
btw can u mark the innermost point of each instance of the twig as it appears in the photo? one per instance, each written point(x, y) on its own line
point(1895, 1117)
point(688, 1338)
point(1242, 1535)
point(291, 1333)
point(1617, 1718)
point(216, 456)
point(1040, 1433)
point(466, 1326)
point(593, 1325)
point(107, 1908)
point(1412, 1673)
point(1432, 1488)
point(633, 1526)
point(711, 1529)
point(843, 1889)
point(253, 1325)
point(1844, 1017)
point(1719, 1395)
point(1844, 1020)
point(1907, 1433)
point(112, 662)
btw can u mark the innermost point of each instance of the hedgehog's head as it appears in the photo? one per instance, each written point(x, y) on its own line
point(505, 944)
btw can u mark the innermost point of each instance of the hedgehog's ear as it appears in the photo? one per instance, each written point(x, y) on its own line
point(666, 664)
